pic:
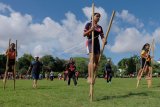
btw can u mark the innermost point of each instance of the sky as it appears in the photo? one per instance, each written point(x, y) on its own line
point(55, 27)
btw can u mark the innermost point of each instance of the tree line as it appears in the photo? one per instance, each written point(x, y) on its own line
point(133, 64)
point(51, 63)
point(127, 65)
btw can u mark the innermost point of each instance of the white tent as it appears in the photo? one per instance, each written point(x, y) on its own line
point(158, 60)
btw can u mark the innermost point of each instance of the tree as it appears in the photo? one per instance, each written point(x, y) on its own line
point(129, 65)
point(81, 65)
point(101, 66)
point(23, 63)
point(156, 68)
point(59, 64)
point(48, 62)
point(122, 64)
point(51, 63)
point(3, 60)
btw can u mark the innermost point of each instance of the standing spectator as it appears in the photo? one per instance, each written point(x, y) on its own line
point(51, 75)
point(35, 69)
point(71, 71)
point(59, 76)
point(47, 75)
point(65, 75)
point(77, 75)
point(40, 76)
point(108, 71)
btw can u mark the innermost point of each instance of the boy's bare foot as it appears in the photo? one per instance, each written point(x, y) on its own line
point(88, 80)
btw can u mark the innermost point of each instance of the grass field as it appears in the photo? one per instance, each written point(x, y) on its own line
point(121, 93)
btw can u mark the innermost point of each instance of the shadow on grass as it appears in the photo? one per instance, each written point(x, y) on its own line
point(43, 88)
point(122, 96)
point(31, 88)
point(157, 86)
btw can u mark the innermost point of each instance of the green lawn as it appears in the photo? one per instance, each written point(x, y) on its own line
point(121, 93)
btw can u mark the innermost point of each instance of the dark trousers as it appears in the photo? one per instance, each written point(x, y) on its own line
point(109, 77)
point(51, 78)
point(72, 75)
point(65, 77)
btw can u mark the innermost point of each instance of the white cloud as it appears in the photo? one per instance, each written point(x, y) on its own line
point(156, 35)
point(104, 17)
point(47, 37)
point(130, 18)
point(5, 8)
point(59, 38)
point(130, 40)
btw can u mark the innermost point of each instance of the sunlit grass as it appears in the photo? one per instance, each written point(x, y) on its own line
point(120, 93)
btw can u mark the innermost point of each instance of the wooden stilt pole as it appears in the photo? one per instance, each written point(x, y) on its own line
point(6, 71)
point(103, 46)
point(150, 72)
point(149, 80)
point(138, 78)
point(92, 57)
point(14, 72)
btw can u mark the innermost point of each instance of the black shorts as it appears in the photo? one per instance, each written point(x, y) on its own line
point(11, 62)
point(148, 63)
point(71, 74)
point(96, 46)
point(35, 76)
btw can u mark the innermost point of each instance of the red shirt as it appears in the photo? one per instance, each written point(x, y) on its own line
point(11, 54)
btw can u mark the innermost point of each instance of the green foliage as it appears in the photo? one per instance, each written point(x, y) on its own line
point(48, 62)
point(59, 64)
point(101, 66)
point(132, 65)
point(24, 63)
point(114, 69)
point(2, 63)
point(129, 65)
point(156, 68)
point(54, 64)
point(122, 63)
point(81, 65)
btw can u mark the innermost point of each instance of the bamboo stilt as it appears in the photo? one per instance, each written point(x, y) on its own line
point(6, 71)
point(150, 72)
point(14, 72)
point(92, 58)
point(149, 81)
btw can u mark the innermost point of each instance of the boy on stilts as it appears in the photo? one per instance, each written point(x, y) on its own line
point(11, 54)
point(145, 65)
point(88, 33)
point(92, 31)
